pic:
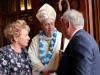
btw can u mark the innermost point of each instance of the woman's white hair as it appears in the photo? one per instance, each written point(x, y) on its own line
point(73, 16)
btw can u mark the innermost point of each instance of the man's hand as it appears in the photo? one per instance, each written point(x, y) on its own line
point(46, 71)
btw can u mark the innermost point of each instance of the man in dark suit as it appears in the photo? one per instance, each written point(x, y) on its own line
point(82, 56)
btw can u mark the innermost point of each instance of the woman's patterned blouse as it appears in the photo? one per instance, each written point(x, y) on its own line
point(14, 63)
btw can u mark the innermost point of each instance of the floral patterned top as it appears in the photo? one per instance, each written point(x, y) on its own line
point(14, 63)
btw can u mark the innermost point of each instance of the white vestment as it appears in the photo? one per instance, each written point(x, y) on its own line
point(34, 53)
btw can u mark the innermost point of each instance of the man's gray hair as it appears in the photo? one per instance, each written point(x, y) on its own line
point(73, 16)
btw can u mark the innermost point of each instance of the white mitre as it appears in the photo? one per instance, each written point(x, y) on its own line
point(45, 12)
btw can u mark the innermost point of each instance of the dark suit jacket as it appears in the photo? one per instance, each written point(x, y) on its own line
point(81, 56)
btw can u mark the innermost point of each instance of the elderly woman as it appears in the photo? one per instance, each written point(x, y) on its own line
point(14, 59)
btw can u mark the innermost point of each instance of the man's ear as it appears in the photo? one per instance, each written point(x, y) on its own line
point(68, 24)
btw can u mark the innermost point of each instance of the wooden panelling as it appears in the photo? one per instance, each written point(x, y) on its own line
point(96, 19)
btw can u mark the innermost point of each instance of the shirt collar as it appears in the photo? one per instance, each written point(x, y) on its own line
point(75, 32)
